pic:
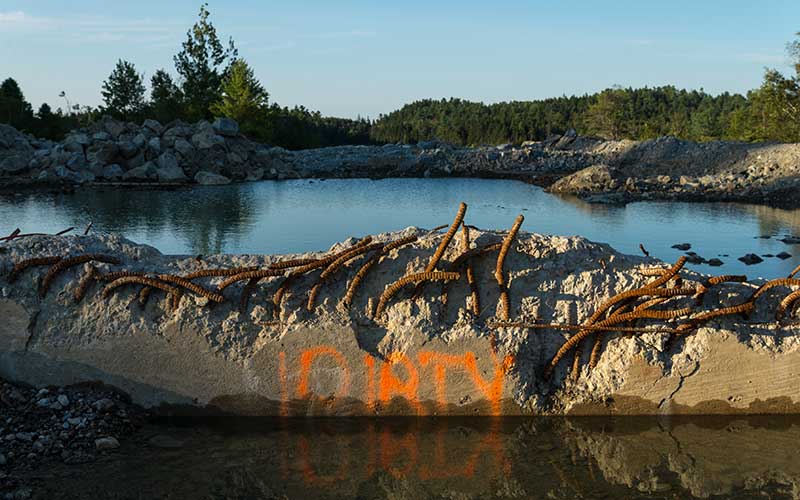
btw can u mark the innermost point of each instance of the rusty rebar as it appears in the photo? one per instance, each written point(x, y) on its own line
point(499, 273)
point(210, 273)
point(563, 326)
point(144, 295)
point(645, 313)
point(287, 264)
point(20, 267)
point(411, 278)
point(370, 263)
point(244, 298)
point(248, 275)
point(474, 292)
point(448, 237)
point(139, 280)
point(773, 284)
point(68, 262)
point(794, 271)
point(86, 280)
point(786, 303)
point(335, 266)
point(694, 322)
point(277, 297)
point(115, 275)
point(192, 287)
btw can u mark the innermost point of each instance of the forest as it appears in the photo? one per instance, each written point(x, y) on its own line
point(212, 80)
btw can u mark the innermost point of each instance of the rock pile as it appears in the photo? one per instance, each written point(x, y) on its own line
point(113, 151)
point(674, 169)
point(110, 151)
point(68, 424)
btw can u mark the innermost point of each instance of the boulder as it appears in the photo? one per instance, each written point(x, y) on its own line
point(76, 142)
point(154, 146)
point(154, 126)
point(113, 172)
point(682, 246)
point(15, 164)
point(205, 139)
point(169, 170)
point(106, 443)
point(211, 179)
point(596, 178)
point(103, 153)
point(127, 149)
point(70, 176)
point(139, 140)
point(113, 127)
point(226, 127)
point(751, 259)
point(566, 139)
point(146, 172)
point(101, 137)
point(183, 147)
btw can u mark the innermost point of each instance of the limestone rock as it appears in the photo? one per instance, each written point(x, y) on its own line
point(146, 172)
point(169, 170)
point(226, 127)
point(211, 179)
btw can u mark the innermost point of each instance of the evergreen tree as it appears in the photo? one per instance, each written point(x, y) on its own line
point(123, 92)
point(14, 109)
point(243, 97)
point(166, 101)
point(202, 64)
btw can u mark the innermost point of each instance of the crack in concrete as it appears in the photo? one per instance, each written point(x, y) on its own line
point(680, 385)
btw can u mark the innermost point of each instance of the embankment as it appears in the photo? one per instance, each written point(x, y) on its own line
point(110, 152)
point(294, 352)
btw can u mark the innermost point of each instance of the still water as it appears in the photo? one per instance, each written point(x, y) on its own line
point(305, 215)
point(449, 458)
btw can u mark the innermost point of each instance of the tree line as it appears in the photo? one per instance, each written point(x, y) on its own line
point(214, 81)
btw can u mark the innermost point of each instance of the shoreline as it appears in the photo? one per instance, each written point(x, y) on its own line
point(126, 155)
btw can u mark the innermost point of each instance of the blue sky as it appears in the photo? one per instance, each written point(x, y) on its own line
point(349, 58)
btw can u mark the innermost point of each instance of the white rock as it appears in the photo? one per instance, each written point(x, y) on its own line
point(106, 443)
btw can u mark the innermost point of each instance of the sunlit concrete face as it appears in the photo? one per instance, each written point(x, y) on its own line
point(423, 356)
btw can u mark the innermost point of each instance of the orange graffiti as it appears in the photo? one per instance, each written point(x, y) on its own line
point(391, 385)
point(306, 360)
point(492, 390)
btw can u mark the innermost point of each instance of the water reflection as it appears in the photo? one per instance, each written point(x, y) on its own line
point(446, 458)
point(304, 215)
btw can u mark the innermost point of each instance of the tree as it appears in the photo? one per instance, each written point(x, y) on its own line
point(166, 101)
point(243, 97)
point(202, 64)
point(609, 116)
point(123, 92)
point(14, 109)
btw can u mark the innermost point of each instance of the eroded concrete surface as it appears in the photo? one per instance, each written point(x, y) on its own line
point(422, 357)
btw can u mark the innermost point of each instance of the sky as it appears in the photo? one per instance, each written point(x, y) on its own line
point(364, 58)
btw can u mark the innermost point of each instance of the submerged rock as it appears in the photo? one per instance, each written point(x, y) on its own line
point(750, 259)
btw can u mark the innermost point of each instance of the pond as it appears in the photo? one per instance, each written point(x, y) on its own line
point(306, 215)
point(557, 458)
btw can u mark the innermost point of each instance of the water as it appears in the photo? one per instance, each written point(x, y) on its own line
point(676, 458)
point(303, 215)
